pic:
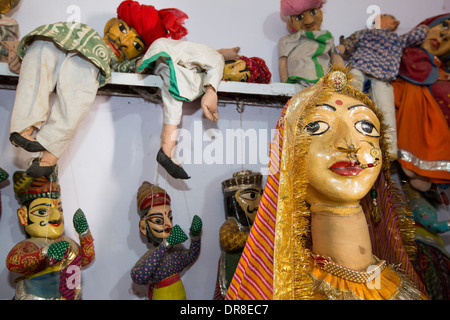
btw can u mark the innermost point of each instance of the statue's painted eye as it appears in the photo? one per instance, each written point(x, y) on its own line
point(317, 127)
point(367, 128)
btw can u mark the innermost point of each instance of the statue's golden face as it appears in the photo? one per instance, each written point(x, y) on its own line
point(43, 218)
point(309, 20)
point(236, 71)
point(8, 5)
point(124, 41)
point(342, 158)
point(438, 39)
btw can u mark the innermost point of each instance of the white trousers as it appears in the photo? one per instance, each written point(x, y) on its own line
point(382, 94)
point(45, 69)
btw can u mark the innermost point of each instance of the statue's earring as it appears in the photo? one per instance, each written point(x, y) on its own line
point(375, 212)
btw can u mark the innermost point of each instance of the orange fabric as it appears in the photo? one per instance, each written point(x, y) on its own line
point(422, 129)
point(385, 287)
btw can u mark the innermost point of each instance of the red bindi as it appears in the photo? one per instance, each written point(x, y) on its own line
point(339, 102)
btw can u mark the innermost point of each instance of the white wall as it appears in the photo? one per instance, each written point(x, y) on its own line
point(115, 148)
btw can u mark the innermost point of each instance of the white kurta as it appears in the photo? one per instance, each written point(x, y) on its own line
point(186, 68)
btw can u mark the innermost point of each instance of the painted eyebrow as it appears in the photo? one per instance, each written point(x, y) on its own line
point(43, 204)
point(326, 106)
point(360, 105)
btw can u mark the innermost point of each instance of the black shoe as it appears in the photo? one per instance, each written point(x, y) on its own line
point(28, 145)
point(37, 171)
point(171, 167)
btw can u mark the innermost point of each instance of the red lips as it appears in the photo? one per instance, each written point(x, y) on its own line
point(435, 43)
point(346, 168)
point(114, 48)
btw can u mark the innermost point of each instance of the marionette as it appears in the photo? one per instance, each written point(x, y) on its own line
point(191, 70)
point(305, 55)
point(324, 229)
point(422, 112)
point(242, 194)
point(374, 55)
point(3, 176)
point(9, 32)
point(160, 267)
point(76, 60)
point(433, 261)
point(49, 261)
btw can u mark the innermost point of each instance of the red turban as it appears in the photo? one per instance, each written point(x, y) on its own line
point(152, 24)
point(259, 71)
point(150, 195)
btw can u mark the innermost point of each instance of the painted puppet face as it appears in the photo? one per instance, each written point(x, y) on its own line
point(123, 40)
point(248, 200)
point(345, 138)
point(236, 71)
point(159, 221)
point(43, 218)
point(388, 21)
point(309, 20)
point(438, 39)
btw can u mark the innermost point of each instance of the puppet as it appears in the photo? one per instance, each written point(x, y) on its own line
point(191, 70)
point(375, 56)
point(3, 176)
point(305, 55)
point(76, 60)
point(317, 234)
point(422, 100)
point(433, 261)
point(49, 261)
point(160, 267)
point(242, 194)
point(9, 32)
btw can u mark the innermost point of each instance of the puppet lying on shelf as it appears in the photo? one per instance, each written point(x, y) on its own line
point(73, 59)
point(375, 56)
point(161, 266)
point(49, 261)
point(305, 55)
point(9, 33)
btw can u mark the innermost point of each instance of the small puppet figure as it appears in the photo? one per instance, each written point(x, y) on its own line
point(433, 261)
point(242, 194)
point(160, 267)
point(244, 69)
point(375, 55)
point(76, 60)
point(49, 261)
point(3, 176)
point(422, 103)
point(9, 32)
point(314, 236)
point(305, 55)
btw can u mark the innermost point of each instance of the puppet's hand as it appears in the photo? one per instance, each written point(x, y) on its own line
point(196, 226)
point(79, 222)
point(57, 250)
point(230, 54)
point(176, 236)
point(14, 62)
point(209, 104)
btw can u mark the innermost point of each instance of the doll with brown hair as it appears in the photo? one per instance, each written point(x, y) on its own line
point(375, 56)
point(324, 229)
point(305, 55)
point(73, 60)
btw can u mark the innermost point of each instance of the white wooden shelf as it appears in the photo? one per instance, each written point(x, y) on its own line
point(139, 85)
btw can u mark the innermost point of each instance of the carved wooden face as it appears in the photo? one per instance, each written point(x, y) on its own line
point(341, 162)
point(236, 71)
point(309, 20)
point(159, 222)
point(43, 218)
point(125, 42)
point(438, 39)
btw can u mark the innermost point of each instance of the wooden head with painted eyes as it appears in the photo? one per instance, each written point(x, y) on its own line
point(242, 194)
